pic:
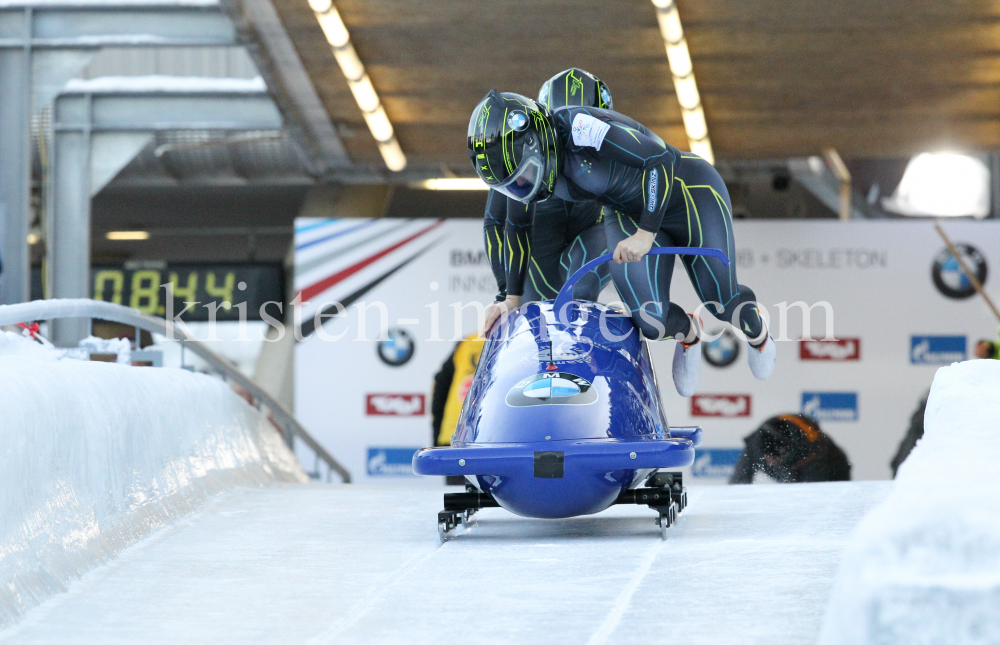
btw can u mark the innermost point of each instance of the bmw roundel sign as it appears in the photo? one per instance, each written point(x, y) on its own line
point(552, 388)
point(397, 348)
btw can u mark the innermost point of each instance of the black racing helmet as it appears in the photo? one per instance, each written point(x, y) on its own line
point(513, 145)
point(788, 434)
point(575, 87)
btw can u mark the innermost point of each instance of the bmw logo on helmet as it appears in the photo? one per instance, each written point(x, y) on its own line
point(552, 388)
point(517, 121)
point(723, 351)
point(948, 276)
point(606, 96)
point(397, 348)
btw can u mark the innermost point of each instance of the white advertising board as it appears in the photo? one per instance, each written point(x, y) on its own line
point(884, 284)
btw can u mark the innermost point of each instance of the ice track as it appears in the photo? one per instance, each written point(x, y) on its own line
point(350, 564)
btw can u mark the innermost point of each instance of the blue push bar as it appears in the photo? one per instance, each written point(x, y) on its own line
point(566, 293)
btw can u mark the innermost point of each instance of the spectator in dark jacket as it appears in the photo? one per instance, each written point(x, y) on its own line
point(911, 438)
point(791, 448)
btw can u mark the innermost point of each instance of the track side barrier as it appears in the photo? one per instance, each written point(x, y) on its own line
point(86, 308)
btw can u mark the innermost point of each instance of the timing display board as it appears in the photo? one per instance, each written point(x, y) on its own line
point(209, 285)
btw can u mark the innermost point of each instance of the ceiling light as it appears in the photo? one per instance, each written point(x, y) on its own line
point(379, 124)
point(392, 154)
point(361, 86)
point(127, 235)
point(942, 184)
point(452, 183)
point(684, 83)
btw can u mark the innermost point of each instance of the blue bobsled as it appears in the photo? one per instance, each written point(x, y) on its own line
point(564, 417)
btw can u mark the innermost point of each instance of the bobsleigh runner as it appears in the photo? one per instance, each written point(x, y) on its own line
point(563, 418)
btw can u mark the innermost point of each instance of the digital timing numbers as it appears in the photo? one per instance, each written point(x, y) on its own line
point(212, 287)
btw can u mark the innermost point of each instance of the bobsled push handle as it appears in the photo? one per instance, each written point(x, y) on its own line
point(566, 293)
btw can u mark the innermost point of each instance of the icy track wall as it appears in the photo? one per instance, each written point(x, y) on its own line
point(924, 566)
point(96, 456)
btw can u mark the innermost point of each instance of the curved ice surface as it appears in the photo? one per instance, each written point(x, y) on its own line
point(924, 566)
point(95, 456)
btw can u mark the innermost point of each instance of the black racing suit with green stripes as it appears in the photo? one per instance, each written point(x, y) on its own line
point(645, 183)
point(551, 245)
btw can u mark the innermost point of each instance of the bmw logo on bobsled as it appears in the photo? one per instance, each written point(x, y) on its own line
point(563, 418)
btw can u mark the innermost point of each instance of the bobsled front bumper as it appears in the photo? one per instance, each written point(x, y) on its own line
point(549, 459)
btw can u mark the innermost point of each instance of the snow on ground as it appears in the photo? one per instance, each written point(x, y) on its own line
point(96, 456)
point(353, 564)
point(924, 566)
point(240, 343)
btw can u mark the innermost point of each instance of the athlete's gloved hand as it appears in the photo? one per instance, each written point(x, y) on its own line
point(498, 309)
point(633, 248)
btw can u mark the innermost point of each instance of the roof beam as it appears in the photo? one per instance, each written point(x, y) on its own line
point(278, 61)
point(89, 26)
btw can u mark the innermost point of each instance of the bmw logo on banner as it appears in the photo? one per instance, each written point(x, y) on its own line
point(552, 388)
point(723, 351)
point(397, 348)
point(948, 276)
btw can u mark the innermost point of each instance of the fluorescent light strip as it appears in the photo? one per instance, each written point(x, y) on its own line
point(452, 183)
point(127, 235)
point(361, 86)
point(684, 83)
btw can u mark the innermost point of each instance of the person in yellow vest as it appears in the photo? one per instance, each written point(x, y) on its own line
point(451, 384)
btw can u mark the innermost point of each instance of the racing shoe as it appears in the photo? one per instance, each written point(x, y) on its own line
point(761, 359)
point(687, 359)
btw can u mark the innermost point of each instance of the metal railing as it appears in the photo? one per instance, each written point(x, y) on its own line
point(86, 308)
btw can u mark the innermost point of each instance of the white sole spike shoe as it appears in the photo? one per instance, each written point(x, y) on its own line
point(761, 360)
point(687, 363)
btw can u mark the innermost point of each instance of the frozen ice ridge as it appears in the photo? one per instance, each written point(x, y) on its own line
point(924, 566)
point(96, 456)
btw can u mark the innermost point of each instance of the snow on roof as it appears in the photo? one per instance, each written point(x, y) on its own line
point(102, 4)
point(137, 84)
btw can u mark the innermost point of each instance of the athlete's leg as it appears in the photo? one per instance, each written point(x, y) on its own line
point(587, 241)
point(705, 220)
point(645, 285)
point(548, 238)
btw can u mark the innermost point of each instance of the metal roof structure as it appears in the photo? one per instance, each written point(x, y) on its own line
point(777, 79)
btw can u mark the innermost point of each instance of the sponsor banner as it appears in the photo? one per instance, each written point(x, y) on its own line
point(830, 406)
point(715, 463)
point(720, 405)
point(394, 405)
point(841, 349)
point(391, 462)
point(813, 278)
point(937, 350)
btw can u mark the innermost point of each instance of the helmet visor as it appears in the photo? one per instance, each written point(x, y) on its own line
point(523, 185)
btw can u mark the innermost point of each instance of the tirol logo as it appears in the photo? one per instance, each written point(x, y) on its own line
point(937, 350)
point(553, 388)
point(947, 272)
point(723, 351)
point(830, 406)
point(720, 405)
point(391, 462)
point(842, 349)
point(397, 348)
point(394, 405)
point(715, 463)
point(651, 205)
